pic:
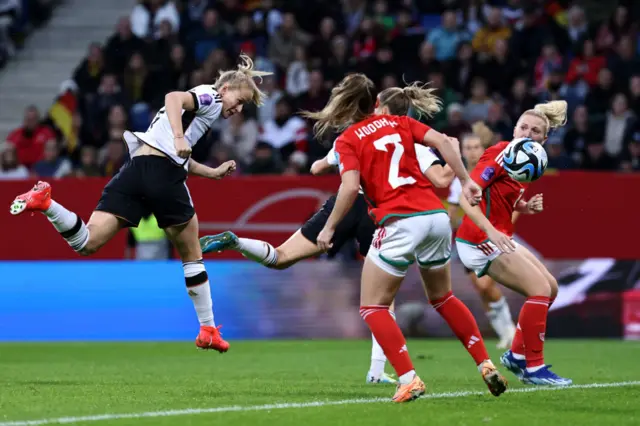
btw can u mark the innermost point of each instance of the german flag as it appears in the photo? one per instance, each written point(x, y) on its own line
point(61, 114)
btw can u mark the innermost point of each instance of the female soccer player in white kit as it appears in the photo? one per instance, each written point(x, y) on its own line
point(154, 181)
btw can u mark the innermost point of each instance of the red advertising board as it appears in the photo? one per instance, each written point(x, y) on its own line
point(586, 214)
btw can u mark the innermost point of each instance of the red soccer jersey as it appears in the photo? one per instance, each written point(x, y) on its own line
point(499, 199)
point(382, 149)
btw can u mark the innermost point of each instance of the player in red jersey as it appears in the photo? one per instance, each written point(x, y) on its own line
point(485, 245)
point(495, 304)
point(377, 151)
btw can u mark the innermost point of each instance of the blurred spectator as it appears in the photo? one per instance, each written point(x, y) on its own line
point(121, 46)
point(354, 11)
point(265, 160)
point(340, 62)
point(528, 38)
point(230, 10)
point(446, 38)
point(477, 107)
point(485, 39)
point(29, 140)
point(462, 70)
point(634, 95)
point(282, 44)
point(456, 127)
point(617, 124)
point(138, 84)
point(381, 64)
point(631, 158)
point(548, 62)
point(503, 60)
point(445, 93)
point(89, 73)
point(148, 14)
point(367, 39)
point(192, 14)
point(599, 97)
point(577, 25)
point(267, 17)
point(596, 158)
point(381, 14)
point(247, 38)
point(241, 137)
point(427, 62)
point(88, 163)
point(496, 121)
point(285, 132)
point(406, 37)
point(519, 100)
point(581, 131)
point(611, 31)
point(297, 164)
point(109, 94)
point(558, 159)
point(114, 155)
point(320, 48)
point(297, 78)
point(267, 111)
point(9, 11)
point(210, 35)
point(52, 164)
point(624, 63)
point(586, 66)
point(216, 61)
point(317, 96)
point(178, 69)
point(10, 168)
point(512, 12)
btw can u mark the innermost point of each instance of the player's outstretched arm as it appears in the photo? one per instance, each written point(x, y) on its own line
point(219, 172)
point(174, 103)
point(321, 167)
point(503, 242)
point(440, 176)
point(451, 154)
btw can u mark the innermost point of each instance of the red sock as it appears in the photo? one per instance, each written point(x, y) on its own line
point(533, 321)
point(389, 336)
point(517, 346)
point(463, 324)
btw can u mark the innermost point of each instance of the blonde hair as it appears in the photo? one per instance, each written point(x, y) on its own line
point(415, 95)
point(553, 113)
point(480, 130)
point(352, 100)
point(243, 76)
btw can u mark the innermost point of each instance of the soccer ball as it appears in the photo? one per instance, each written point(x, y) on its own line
point(524, 160)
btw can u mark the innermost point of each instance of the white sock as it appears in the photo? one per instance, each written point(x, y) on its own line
point(199, 291)
point(378, 358)
point(258, 251)
point(496, 318)
point(506, 318)
point(406, 378)
point(69, 225)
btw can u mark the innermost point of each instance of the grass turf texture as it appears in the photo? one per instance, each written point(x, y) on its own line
point(46, 381)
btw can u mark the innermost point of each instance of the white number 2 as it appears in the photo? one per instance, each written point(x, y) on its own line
point(395, 180)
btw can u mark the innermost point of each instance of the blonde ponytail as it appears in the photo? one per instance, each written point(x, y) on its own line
point(553, 113)
point(415, 95)
point(243, 75)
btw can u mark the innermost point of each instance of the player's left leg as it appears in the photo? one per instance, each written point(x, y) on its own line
point(433, 258)
point(185, 239)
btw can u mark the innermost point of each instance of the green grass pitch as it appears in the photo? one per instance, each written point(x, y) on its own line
point(316, 383)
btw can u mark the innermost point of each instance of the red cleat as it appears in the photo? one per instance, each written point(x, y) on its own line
point(36, 200)
point(210, 338)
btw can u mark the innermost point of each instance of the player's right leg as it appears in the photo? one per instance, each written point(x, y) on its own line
point(85, 239)
point(295, 249)
point(517, 272)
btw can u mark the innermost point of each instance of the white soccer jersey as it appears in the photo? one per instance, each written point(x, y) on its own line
point(195, 124)
point(455, 190)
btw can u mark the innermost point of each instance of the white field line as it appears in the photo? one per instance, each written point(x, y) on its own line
point(291, 405)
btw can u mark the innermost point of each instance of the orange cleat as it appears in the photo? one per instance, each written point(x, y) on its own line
point(413, 390)
point(495, 381)
point(36, 200)
point(210, 338)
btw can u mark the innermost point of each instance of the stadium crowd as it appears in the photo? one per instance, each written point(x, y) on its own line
point(490, 60)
